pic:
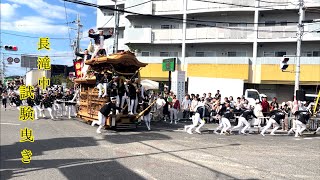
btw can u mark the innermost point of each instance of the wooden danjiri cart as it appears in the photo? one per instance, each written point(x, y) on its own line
point(125, 65)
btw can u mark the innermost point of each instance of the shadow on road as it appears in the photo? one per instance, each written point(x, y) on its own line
point(73, 169)
point(13, 151)
point(130, 138)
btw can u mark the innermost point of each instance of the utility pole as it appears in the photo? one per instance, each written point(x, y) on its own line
point(299, 40)
point(79, 26)
point(116, 28)
point(3, 68)
point(184, 32)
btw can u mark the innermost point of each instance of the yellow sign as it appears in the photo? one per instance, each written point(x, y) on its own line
point(44, 82)
point(26, 156)
point(44, 63)
point(44, 43)
point(26, 91)
point(26, 113)
point(26, 135)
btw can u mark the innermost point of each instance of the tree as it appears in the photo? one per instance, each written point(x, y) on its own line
point(59, 79)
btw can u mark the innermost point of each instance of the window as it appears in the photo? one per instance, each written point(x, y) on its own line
point(201, 25)
point(268, 54)
point(283, 23)
point(204, 54)
point(108, 13)
point(164, 54)
point(307, 54)
point(169, 54)
point(280, 53)
point(232, 54)
point(241, 54)
point(237, 54)
point(174, 54)
point(145, 53)
point(253, 95)
point(233, 25)
point(166, 26)
point(199, 54)
point(316, 53)
point(270, 23)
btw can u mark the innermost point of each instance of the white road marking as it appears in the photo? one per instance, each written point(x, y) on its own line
point(144, 174)
point(14, 124)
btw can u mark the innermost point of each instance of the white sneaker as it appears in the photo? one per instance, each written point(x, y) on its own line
point(175, 122)
point(99, 132)
point(197, 131)
point(149, 129)
point(189, 132)
point(262, 134)
point(69, 117)
point(215, 132)
point(93, 123)
point(272, 134)
point(170, 122)
point(185, 129)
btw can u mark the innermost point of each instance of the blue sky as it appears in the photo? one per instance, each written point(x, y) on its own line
point(42, 18)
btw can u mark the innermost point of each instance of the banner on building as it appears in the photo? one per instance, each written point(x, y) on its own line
point(77, 68)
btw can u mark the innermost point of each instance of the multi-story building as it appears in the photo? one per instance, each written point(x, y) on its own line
point(243, 39)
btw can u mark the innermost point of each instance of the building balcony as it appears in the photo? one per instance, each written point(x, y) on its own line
point(288, 4)
point(289, 33)
point(109, 2)
point(105, 19)
point(217, 33)
point(292, 60)
point(137, 35)
point(169, 6)
point(276, 32)
point(194, 5)
point(166, 34)
point(144, 7)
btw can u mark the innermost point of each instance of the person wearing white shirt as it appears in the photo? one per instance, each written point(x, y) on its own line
point(193, 106)
point(258, 112)
point(186, 104)
point(160, 103)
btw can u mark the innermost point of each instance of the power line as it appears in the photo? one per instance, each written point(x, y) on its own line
point(128, 8)
point(275, 2)
point(36, 55)
point(59, 38)
point(240, 5)
point(166, 17)
point(66, 14)
point(138, 4)
point(189, 21)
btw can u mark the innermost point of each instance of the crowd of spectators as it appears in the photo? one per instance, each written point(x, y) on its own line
point(168, 106)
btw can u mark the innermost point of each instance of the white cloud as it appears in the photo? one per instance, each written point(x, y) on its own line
point(45, 9)
point(35, 25)
point(8, 11)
